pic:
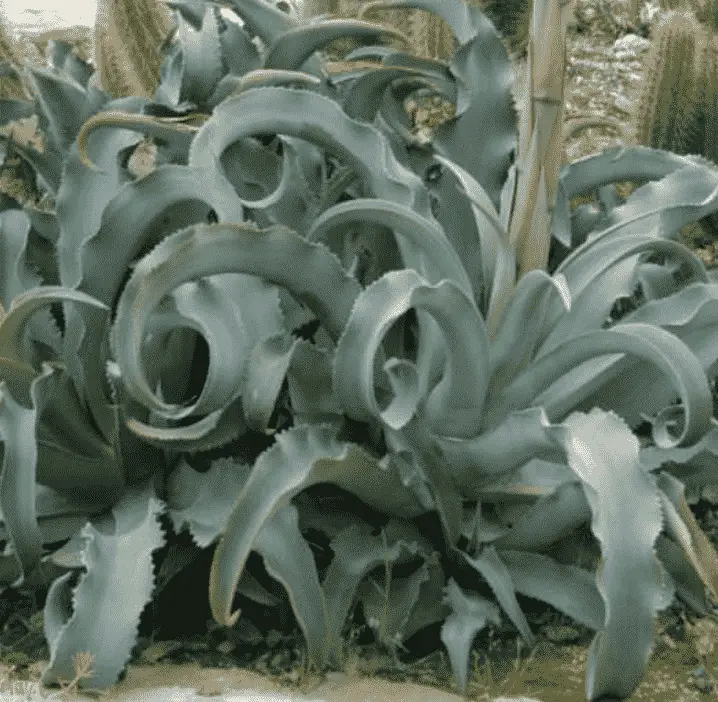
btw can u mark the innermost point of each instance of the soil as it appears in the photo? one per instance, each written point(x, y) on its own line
point(683, 664)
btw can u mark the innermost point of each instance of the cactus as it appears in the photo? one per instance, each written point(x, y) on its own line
point(676, 110)
point(128, 37)
point(14, 51)
point(667, 106)
point(511, 18)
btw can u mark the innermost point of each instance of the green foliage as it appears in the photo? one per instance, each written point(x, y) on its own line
point(322, 310)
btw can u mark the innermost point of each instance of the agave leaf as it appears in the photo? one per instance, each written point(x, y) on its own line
point(63, 58)
point(19, 465)
point(292, 49)
point(170, 132)
point(683, 527)
point(234, 84)
point(552, 517)
point(192, 11)
point(602, 275)
point(523, 320)
point(492, 569)
point(124, 545)
point(238, 52)
point(356, 554)
point(224, 248)
point(204, 501)
point(215, 430)
point(12, 110)
point(140, 213)
point(300, 457)
point(62, 105)
point(685, 195)
point(364, 95)
point(423, 233)
point(617, 164)
point(569, 589)
point(666, 351)
point(17, 276)
point(627, 519)
point(310, 384)
point(289, 560)
point(470, 614)
point(25, 305)
point(202, 65)
point(455, 406)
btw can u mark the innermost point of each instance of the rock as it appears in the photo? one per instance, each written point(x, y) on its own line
point(629, 45)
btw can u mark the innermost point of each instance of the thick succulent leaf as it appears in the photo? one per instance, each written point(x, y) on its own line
point(492, 569)
point(63, 58)
point(238, 52)
point(266, 371)
point(684, 195)
point(273, 254)
point(356, 554)
point(47, 164)
point(204, 501)
point(557, 512)
point(666, 351)
point(14, 323)
point(694, 465)
point(627, 519)
point(192, 11)
point(484, 75)
point(310, 384)
point(12, 110)
point(689, 315)
point(123, 545)
point(234, 84)
point(17, 481)
point(455, 406)
point(62, 103)
point(360, 146)
point(289, 560)
point(614, 165)
point(364, 95)
point(569, 589)
point(689, 587)
point(434, 482)
point(436, 72)
point(300, 457)
point(140, 213)
point(498, 259)
point(599, 277)
point(425, 234)
point(292, 49)
point(518, 333)
point(18, 276)
point(83, 195)
point(262, 19)
point(470, 614)
point(216, 429)
point(171, 134)
point(313, 117)
point(681, 525)
point(202, 66)
point(477, 462)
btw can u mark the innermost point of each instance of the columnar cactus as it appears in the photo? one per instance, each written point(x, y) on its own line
point(128, 37)
point(667, 107)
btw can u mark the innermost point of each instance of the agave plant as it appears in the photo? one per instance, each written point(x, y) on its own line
point(309, 298)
